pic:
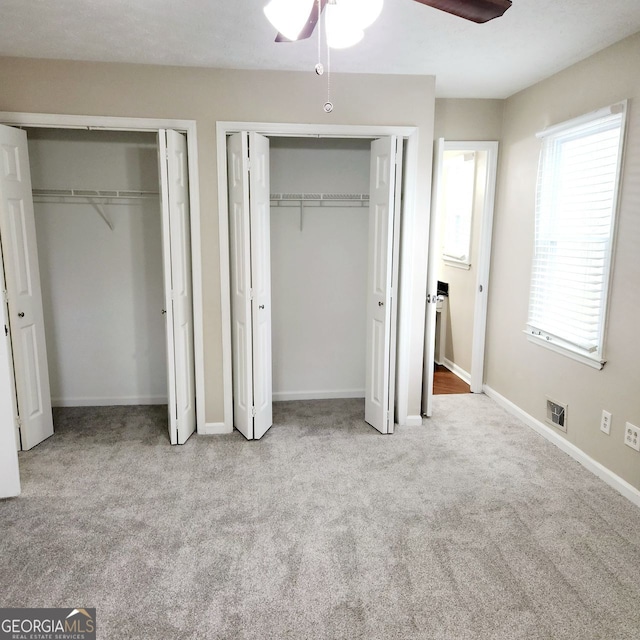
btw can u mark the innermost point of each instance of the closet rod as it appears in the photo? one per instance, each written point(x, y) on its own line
point(319, 199)
point(93, 193)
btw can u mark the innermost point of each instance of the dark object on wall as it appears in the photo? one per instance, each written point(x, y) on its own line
point(478, 11)
point(443, 288)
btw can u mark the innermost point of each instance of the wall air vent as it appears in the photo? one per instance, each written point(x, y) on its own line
point(557, 414)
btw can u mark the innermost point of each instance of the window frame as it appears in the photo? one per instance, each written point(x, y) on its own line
point(597, 358)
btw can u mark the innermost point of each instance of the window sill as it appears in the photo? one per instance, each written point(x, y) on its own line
point(458, 264)
point(570, 353)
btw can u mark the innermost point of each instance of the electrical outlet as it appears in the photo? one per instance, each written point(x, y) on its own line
point(605, 422)
point(632, 436)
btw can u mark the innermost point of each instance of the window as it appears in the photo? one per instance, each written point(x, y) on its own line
point(458, 193)
point(576, 203)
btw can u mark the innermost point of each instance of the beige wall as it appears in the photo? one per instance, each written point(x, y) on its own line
point(207, 96)
point(468, 119)
point(523, 372)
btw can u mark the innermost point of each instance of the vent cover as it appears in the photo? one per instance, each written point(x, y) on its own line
point(557, 414)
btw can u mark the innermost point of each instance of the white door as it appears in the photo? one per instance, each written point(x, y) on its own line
point(176, 232)
point(249, 238)
point(9, 445)
point(385, 183)
point(260, 213)
point(240, 259)
point(26, 321)
point(432, 283)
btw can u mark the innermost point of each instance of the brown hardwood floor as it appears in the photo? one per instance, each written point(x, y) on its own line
point(445, 381)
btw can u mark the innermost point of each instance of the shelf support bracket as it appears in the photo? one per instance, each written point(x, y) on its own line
point(101, 212)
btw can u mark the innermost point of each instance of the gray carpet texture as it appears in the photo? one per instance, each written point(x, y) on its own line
point(470, 526)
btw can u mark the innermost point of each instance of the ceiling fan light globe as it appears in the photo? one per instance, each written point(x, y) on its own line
point(362, 13)
point(289, 17)
point(341, 32)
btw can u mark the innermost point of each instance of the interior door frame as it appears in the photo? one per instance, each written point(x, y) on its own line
point(491, 148)
point(151, 125)
point(406, 301)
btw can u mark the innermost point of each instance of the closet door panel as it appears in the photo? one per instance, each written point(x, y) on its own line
point(175, 190)
point(379, 283)
point(26, 320)
point(240, 268)
point(394, 244)
point(260, 207)
point(9, 443)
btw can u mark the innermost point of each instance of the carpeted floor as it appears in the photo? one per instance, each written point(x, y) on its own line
point(469, 527)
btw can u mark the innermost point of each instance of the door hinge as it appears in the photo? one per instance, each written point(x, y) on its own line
point(20, 423)
point(5, 296)
point(249, 164)
point(6, 331)
point(250, 293)
point(253, 412)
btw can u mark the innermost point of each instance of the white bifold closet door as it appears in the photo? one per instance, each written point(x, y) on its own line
point(249, 240)
point(9, 472)
point(176, 238)
point(23, 293)
point(250, 254)
point(382, 282)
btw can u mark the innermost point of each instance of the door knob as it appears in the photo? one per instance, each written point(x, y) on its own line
point(381, 304)
point(261, 306)
point(163, 311)
point(21, 314)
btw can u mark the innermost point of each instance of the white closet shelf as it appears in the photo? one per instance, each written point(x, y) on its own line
point(320, 199)
point(97, 198)
point(93, 194)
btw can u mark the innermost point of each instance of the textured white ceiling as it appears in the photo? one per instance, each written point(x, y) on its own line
point(533, 40)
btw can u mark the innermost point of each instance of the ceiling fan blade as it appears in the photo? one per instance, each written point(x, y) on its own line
point(479, 11)
point(309, 27)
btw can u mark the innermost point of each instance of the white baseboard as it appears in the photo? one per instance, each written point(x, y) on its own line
point(280, 396)
point(214, 429)
point(454, 368)
point(608, 476)
point(107, 401)
point(413, 421)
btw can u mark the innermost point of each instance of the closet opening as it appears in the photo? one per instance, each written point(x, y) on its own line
point(101, 272)
point(319, 249)
point(314, 226)
point(95, 230)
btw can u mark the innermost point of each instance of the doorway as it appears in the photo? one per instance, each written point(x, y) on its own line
point(249, 193)
point(170, 285)
point(459, 263)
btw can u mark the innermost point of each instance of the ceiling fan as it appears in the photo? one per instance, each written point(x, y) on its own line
point(479, 11)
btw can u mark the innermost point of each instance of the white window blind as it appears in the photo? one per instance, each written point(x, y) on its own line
point(576, 202)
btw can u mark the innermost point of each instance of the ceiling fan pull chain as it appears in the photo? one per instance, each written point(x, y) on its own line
point(319, 68)
point(328, 105)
